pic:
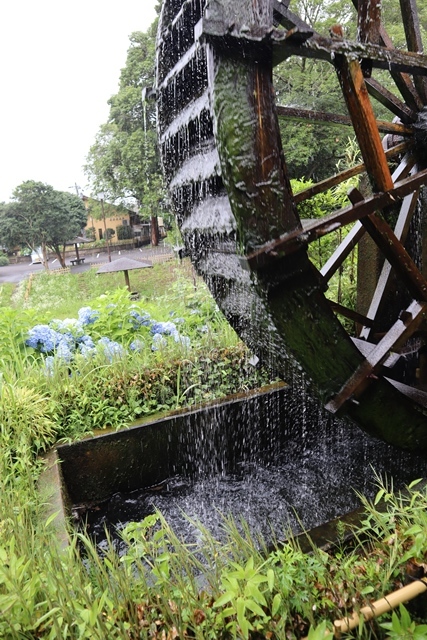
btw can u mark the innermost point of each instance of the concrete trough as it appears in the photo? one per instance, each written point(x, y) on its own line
point(325, 461)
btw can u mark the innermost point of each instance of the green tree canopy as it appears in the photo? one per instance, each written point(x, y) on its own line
point(124, 160)
point(40, 216)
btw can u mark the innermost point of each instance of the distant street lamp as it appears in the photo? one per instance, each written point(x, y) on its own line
point(105, 228)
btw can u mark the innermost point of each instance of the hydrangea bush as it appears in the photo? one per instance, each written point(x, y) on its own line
point(114, 330)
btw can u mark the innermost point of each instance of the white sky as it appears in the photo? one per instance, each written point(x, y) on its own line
point(59, 64)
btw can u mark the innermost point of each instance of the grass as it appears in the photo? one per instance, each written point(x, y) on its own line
point(63, 294)
point(162, 588)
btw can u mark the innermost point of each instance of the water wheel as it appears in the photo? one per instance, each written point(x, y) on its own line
point(222, 155)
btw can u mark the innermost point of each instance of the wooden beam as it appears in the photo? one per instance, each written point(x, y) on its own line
point(403, 81)
point(368, 28)
point(328, 49)
point(401, 231)
point(390, 101)
point(399, 333)
point(348, 313)
point(295, 240)
point(324, 117)
point(396, 254)
point(328, 183)
point(360, 109)
point(340, 254)
point(414, 39)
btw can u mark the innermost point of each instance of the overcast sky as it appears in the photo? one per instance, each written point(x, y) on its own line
point(59, 64)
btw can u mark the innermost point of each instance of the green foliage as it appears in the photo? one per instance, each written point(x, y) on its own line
point(4, 260)
point(402, 627)
point(124, 232)
point(124, 160)
point(41, 216)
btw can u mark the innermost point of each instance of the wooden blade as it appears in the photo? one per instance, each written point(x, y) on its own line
point(394, 338)
point(401, 231)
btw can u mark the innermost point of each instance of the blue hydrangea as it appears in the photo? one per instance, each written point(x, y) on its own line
point(69, 326)
point(137, 345)
point(43, 338)
point(86, 350)
point(86, 341)
point(166, 328)
point(49, 365)
point(111, 349)
point(88, 315)
point(183, 340)
point(158, 342)
point(86, 346)
point(64, 352)
point(140, 319)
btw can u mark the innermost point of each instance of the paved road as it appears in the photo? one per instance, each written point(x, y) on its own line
point(20, 271)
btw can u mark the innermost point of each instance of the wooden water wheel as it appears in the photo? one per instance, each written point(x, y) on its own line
point(222, 155)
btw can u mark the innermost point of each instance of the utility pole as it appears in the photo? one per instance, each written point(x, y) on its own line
point(105, 229)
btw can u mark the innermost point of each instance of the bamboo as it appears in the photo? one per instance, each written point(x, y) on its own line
point(381, 606)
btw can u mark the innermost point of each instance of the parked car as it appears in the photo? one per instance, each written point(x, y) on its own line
point(36, 256)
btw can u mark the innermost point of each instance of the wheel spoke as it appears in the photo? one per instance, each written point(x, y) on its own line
point(401, 232)
point(353, 86)
point(403, 81)
point(340, 254)
point(394, 338)
point(338, 178)
point(325, 117)
point(294, 240)
point(414, 40)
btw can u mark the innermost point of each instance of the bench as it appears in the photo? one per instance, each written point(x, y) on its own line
point(77, 261)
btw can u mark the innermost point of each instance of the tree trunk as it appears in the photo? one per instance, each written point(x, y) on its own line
point(154, 231)
point(44, 256)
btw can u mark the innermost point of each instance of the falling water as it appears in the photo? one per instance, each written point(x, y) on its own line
point(281, 464)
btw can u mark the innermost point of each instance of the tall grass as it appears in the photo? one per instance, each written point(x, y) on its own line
point(163, 587)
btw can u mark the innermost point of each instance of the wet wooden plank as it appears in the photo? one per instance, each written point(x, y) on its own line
point(325, 117)
point(355, 93)
point(369, 21)
point(401, 231)
point(399, 333)
point(299, 238)
point(348, 313)
point(396, 254)
point(390, 101)
point(414, 40)
point(368, 28)
point(328, 183)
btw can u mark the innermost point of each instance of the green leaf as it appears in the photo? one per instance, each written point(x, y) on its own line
point(277, 601)
point(270, 579)
point(224, 599)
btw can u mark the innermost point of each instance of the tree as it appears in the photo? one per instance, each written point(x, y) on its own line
point(40, 216)
point(124, 161)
